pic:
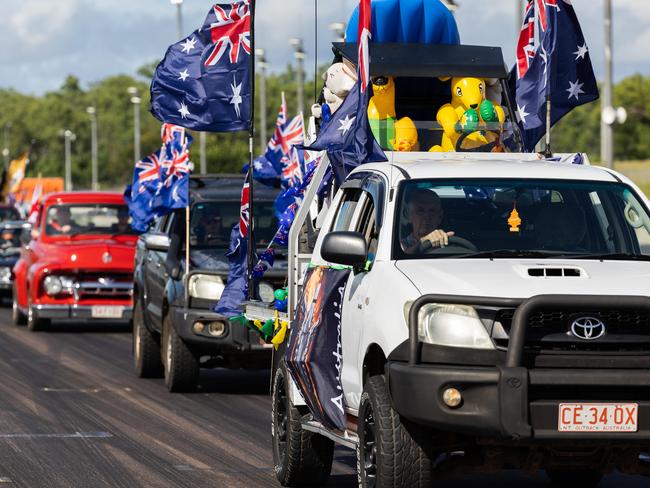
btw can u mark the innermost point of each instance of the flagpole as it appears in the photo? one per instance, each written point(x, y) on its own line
point(547, 151)
point(251, 138)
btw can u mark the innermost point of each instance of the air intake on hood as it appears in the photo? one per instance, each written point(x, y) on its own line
point(555, 272)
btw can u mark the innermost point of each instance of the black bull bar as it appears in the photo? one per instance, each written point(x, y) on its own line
point(513, 384)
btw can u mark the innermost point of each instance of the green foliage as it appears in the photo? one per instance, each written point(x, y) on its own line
point(40, 122)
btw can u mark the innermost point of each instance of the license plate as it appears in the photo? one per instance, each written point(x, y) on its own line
point(106, 312)
point(598, 417)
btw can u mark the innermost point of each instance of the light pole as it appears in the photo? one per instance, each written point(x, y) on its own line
point(94, 185)
point(179, 17)
point(136, 101)
point(519, 15)
point(451, 5)
point(606, 139)
point(299, 54)
point(5, 150)
point(69, 137)
point(262, 65)
point(339, 31)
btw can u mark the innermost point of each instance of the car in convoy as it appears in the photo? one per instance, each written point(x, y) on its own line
point(175, 331)
point(464, 311)
point(10, 233)
point(9, 213)
point(77, 263)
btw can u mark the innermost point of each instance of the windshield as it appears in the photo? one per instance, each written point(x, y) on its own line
point(8, 213)
point(520, 218)
point(9, 240)
point(72, 220)
point(212, 222)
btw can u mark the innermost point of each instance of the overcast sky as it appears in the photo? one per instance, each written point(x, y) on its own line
point(45, 40)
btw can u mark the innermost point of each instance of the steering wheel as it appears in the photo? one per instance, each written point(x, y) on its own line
point(483, 147)
point(455, 242)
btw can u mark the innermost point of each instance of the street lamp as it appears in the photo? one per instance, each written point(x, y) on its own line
point(69, 138)
point(299, 54)
point(136, 101)
point(339, 31)
point(5, 150)
point(451, 5)
point(93, 148)
point(179, 17)
point(262, 65)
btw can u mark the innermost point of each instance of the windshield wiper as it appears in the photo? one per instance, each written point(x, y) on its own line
point(507, 253)
point(622, 256)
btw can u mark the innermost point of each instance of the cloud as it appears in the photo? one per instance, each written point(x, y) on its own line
point(36, 22)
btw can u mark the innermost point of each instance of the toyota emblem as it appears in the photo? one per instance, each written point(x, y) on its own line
point(588, 328)
point(107, 258)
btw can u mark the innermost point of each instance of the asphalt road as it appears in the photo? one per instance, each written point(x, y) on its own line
point(72, 414)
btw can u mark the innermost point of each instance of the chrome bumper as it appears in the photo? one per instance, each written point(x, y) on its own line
point(80, 312)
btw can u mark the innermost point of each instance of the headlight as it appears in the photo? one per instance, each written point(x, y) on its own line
point(208, 287)
point(453, 326)
point(52, 285)
point(266, 292)
point(5, 274)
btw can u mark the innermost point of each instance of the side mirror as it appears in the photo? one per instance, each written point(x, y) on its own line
point(346, 248)
point(156, 242)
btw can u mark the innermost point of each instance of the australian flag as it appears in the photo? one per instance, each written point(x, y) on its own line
point(269, 167)
point(559, 68)
point(236, 290)
point(204, 81)
point(140, 193)
point(347, 137)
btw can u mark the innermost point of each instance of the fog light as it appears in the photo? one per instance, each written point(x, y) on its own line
point(452, 397)
point(216, 329)
point(198, 327)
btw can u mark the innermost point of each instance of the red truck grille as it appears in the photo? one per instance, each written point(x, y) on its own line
point(97, 286)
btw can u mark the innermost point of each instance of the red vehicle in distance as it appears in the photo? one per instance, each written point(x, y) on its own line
point(77, 263)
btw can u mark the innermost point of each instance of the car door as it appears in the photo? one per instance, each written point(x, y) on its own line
point(154, 275)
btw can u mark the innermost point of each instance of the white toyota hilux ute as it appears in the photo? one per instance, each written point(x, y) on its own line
point(518, 339)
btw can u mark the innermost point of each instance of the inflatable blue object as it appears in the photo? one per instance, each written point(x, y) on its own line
point(408, 21)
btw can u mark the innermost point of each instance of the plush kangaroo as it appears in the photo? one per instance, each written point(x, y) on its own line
point(469, 106)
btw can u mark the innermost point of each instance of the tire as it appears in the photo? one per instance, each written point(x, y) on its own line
point(388, 455)
point(17, 316)
point(300, 457)
point(570, 478)
point(181, 367)
point(146, 349)
point(34, 323)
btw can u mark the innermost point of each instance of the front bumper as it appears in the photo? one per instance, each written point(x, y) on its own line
point(77, 312)
point(504, 399)
point(236, 337)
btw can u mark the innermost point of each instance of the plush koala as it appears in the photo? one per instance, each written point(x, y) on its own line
point(339, 80)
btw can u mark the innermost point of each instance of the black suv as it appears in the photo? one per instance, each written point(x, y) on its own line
point(175, 331)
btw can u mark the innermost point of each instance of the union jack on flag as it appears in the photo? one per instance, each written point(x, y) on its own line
point(147, 170)
point(177, 167)
point(292, 172)
point(244, 209)
point(365, 34)
point(542, 14)
point(526, 43)
point(286, 134)
point(231, 32)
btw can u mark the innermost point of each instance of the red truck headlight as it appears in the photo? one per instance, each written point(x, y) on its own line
point(55, 285)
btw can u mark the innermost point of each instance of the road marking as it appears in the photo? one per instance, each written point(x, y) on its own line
point(82, 390)
point(75, 435)
point(5, 480)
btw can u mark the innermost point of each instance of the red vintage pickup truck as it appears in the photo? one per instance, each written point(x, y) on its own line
point(78, 263)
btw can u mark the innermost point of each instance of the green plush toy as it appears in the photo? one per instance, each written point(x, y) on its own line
point(488, 112)
point(468, 122)
point(280, 294)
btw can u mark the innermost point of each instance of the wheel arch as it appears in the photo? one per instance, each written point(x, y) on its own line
point(374, 362)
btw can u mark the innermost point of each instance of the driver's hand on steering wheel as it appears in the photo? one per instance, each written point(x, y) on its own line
point(437, 238)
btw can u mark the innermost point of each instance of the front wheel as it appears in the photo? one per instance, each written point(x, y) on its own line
point(300, 457)
point(181, 367)
point(34, 323)
point(17, 316)
point(388, 455)
point(146, 349)
point(569, 478)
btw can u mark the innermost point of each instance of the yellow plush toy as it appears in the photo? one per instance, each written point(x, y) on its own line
point(391, 134)
point(469, 107)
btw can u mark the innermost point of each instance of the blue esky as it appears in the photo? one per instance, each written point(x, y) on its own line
point(45, 40)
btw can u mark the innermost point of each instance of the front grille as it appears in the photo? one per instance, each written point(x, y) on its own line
point(101, 286)
point(548, 330)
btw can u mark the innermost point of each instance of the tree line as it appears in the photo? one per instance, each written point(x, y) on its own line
point(38, 122)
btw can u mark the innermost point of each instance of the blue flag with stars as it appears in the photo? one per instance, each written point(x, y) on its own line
point(559, 68)
point(347, 137)
point(203, 82)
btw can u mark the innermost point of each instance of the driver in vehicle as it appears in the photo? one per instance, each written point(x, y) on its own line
point(424, 215)
point(62, 223)
point(122, 225)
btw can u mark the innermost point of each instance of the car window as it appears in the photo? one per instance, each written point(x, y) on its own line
point(8, 213)
point(77, 219)
point(514, 216)
point(366, 225)
point(346, 209)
